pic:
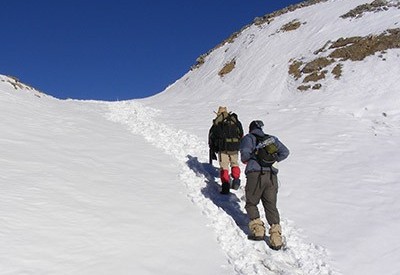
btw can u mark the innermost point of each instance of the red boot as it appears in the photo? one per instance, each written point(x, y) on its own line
point(235, 172)
point(236, 177)
point(224, 176)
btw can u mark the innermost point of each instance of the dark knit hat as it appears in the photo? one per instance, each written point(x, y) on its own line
point(256, 124)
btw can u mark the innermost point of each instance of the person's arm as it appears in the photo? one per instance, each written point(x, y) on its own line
point(283, 151)
point(246, 149)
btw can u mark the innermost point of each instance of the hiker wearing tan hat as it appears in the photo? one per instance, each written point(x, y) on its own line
point(224, 139)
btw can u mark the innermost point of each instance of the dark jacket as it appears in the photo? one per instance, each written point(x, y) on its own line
point(247, 148)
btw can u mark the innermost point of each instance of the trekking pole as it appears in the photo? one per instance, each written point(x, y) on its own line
point(211, 156)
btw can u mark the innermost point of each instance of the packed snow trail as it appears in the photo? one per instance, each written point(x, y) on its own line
point(226, 213)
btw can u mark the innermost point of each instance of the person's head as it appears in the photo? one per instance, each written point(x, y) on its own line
point(256, 124)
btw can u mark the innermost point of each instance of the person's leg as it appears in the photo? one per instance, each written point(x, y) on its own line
point(253, 192)
point(269, 198)
point(269, 201)
point(235, 170)
point(224, 172)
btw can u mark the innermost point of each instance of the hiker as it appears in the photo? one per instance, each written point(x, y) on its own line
point(224, 139)
point(262, 181)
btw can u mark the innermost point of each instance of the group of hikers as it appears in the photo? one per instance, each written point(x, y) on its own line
point(259, 152)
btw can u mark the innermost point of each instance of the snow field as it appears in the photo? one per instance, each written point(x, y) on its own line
point(226, 214)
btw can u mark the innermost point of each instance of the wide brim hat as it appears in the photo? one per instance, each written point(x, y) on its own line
point(221, 110)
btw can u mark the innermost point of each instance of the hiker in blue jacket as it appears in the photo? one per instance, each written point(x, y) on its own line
point(262, 184)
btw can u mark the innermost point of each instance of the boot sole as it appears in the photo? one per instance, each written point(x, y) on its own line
point(255, 238)
point(276, 247)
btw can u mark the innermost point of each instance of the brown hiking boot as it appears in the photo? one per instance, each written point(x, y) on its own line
point(257, 230)
point(275, 237)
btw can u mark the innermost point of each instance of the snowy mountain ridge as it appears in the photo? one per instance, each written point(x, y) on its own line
point(79, 191)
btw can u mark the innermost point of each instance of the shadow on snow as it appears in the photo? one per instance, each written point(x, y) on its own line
point(229, 203)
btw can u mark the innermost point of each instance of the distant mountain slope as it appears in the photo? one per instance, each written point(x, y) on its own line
point(307, 47)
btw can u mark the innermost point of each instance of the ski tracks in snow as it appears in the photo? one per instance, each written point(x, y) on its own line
point(225, 213)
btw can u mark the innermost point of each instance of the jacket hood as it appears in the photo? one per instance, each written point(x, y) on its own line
point(257, 132)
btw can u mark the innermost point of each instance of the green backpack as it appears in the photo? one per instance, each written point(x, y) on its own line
point(266, 150)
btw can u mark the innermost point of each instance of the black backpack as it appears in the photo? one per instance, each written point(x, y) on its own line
point(266, 150)
point(229, 132)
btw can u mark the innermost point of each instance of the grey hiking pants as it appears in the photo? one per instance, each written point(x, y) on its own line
point(262, 186)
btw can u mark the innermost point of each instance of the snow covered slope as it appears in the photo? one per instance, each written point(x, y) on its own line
point(85, 195)
point(79, 195)
point(341, 183)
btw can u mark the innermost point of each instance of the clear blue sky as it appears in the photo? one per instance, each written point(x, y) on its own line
point(115, 50)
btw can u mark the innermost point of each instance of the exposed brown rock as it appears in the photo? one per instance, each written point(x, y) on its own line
point(228, 67)
point(314, 77)
point(351, 48)
point(337, 71)
point(291, 26)
point(294, 69)
point(374, 6)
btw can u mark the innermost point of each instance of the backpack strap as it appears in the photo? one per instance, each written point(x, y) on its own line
point(235, 120)
point(260, 138)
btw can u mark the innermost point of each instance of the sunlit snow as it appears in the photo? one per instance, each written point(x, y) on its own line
point(92, 187)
